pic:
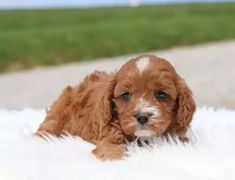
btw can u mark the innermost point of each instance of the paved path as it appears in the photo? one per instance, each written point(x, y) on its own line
point(208, 69)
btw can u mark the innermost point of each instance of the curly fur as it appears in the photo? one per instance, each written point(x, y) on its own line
point(96, 111)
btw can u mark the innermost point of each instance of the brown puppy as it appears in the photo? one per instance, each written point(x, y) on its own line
point(145, 98)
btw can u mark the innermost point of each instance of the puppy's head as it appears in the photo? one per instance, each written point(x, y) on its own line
point(150, 97)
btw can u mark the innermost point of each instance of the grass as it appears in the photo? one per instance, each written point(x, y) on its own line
point(30, 38)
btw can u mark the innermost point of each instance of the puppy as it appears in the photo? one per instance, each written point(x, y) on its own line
point(145, 98)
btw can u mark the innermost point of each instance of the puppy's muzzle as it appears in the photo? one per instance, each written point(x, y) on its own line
point(142, 118)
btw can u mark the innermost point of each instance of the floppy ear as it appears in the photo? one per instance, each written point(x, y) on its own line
point(186, 105)
point(106, 105)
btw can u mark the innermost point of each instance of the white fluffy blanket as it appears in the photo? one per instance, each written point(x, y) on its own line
point(25, 157)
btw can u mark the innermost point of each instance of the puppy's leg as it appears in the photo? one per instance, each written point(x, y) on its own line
point(49, 126)
point(109, 151)
point(110, 145)
point(57, 115)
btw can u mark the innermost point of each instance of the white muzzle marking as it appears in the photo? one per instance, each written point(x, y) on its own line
point(144, 133)
point(145, 107)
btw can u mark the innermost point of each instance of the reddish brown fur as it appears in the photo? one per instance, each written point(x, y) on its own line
point(96, 112)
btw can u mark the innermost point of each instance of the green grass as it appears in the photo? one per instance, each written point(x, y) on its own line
point(30, 38)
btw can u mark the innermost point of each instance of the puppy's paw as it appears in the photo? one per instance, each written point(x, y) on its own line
point(106, 151)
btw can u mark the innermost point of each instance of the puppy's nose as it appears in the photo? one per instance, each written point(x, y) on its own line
point(142, 118)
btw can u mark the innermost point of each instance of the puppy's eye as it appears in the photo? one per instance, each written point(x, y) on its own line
point(126, 95)
point(161, 95)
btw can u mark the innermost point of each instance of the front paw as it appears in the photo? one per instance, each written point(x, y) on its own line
point(106, 151)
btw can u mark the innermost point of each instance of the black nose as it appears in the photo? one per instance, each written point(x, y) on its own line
point(142, 118)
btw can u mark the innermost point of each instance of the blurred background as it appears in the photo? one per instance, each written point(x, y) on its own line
point(48, 44)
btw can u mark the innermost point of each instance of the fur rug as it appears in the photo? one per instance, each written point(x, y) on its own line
point(211, 155)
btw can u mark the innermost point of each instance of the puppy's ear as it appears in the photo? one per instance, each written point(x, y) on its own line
point(106, 105)
point(186, 105)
